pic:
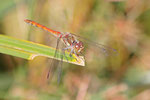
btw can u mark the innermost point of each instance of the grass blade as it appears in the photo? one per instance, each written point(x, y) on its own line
point(28, 50)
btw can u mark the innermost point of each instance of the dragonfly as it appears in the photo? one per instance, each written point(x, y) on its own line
point(72, 44)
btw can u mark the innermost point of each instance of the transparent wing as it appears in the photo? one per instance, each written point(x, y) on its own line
point(105, 49)
point(54, 64)
point(60, 68)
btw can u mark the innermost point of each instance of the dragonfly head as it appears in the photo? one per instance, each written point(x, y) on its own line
point(79, 46)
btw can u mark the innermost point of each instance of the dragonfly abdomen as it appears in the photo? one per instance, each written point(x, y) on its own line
point(33, 23)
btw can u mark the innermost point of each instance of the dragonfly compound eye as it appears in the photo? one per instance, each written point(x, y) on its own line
point(80, 46)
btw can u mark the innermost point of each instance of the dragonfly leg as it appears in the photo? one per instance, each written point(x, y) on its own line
point(72, 51)
point(67, 48)
point(77, 56)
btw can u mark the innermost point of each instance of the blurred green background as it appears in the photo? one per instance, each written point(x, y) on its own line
point(121, 24)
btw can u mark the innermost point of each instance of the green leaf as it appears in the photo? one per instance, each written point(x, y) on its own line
point(28, 50)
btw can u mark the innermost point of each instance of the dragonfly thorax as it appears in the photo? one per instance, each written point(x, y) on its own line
point(71, 41)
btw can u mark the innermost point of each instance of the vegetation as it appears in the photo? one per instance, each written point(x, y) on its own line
point(119, 24)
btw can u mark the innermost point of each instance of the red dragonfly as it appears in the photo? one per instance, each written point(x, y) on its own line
point(71, 42)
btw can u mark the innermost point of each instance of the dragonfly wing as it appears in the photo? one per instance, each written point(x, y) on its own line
point(54, 63)
point(60, 69)
point(105, 49)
